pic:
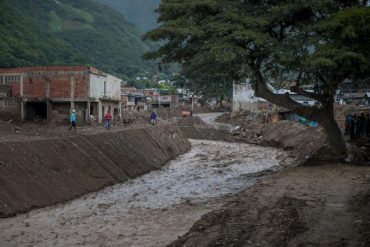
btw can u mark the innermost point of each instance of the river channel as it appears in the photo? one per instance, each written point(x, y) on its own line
point(152, 210)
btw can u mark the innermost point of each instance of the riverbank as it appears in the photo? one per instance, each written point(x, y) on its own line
point(152, 210)
point(326, 205)
point(301, 206)
point(41, 171)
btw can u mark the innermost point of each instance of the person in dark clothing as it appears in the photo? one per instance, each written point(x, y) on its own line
point(153, 118)
point(347, 124)
point(361, 124)
point(353, 127)
point(367, 125)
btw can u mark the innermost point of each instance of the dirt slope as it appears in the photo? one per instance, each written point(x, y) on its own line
point(301, 206)
point(37, 173)
point(306, 145)
point(196, 128)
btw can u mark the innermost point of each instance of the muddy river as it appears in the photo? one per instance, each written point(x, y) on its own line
point(152, 210)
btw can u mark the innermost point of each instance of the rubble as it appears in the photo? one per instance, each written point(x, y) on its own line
point(304, 143)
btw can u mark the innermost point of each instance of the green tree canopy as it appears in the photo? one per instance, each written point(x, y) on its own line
point(318, 41)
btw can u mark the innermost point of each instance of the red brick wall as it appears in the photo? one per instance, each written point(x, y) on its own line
point(34, 87)
point(54, 68)
point(81, 87)
point(15, 89)
point(35, 81)
point(9, 70)
point(60, 87)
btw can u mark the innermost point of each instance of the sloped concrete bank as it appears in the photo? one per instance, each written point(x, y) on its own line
point(38, 173)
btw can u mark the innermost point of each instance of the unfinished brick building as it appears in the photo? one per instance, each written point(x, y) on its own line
point(48, 92)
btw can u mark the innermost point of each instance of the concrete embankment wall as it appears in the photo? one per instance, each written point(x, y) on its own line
point(38, 173)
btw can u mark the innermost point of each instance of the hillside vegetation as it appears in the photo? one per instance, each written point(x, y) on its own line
point(70, 32)
point(139, 12)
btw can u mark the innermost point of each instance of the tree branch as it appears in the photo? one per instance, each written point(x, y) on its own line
point(319, 97)
point(284, 100)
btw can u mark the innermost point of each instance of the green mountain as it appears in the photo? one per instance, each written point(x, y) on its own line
point(70, 32)
point(139, 12)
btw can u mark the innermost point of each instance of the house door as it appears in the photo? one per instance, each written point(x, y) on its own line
point(102, 112)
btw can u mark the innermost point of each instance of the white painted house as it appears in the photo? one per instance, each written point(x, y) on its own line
point(107, 89)
point(243, 97)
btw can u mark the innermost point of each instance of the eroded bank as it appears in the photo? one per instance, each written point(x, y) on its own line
point(38, 173)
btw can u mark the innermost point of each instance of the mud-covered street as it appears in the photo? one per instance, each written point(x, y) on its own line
point(152, 210)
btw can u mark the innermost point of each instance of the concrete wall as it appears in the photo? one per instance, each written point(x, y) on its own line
point(112, 88)
point(10, 108)
point(243, 98)
point(107, 105)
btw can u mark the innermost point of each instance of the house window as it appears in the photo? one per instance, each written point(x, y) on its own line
point(105, 88)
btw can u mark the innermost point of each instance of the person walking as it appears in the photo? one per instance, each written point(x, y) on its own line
point(108, 119)
point(362, 122)
point(367, 125)
point(153, 118)
point(352, 126)
point(347, 124)
point(73, 120)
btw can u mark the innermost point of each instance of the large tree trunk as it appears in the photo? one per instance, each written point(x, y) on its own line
point(324, 115)
point(334, 134)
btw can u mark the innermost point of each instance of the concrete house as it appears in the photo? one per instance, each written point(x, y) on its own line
point(134, 99)
point(244, 99)
point(45, 92)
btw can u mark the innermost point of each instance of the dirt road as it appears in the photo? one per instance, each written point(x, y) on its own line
point(152, 210)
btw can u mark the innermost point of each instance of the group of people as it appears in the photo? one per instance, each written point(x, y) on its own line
point(107, 120)
point(358, 126)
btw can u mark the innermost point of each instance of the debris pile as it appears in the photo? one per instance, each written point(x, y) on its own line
point(306, 145)
point(9, 127)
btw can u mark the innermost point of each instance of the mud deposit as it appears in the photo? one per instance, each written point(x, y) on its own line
point(42, 171)
point(152, 210)
point(326, 206)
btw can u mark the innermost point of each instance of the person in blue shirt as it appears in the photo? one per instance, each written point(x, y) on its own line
point(73, 120)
